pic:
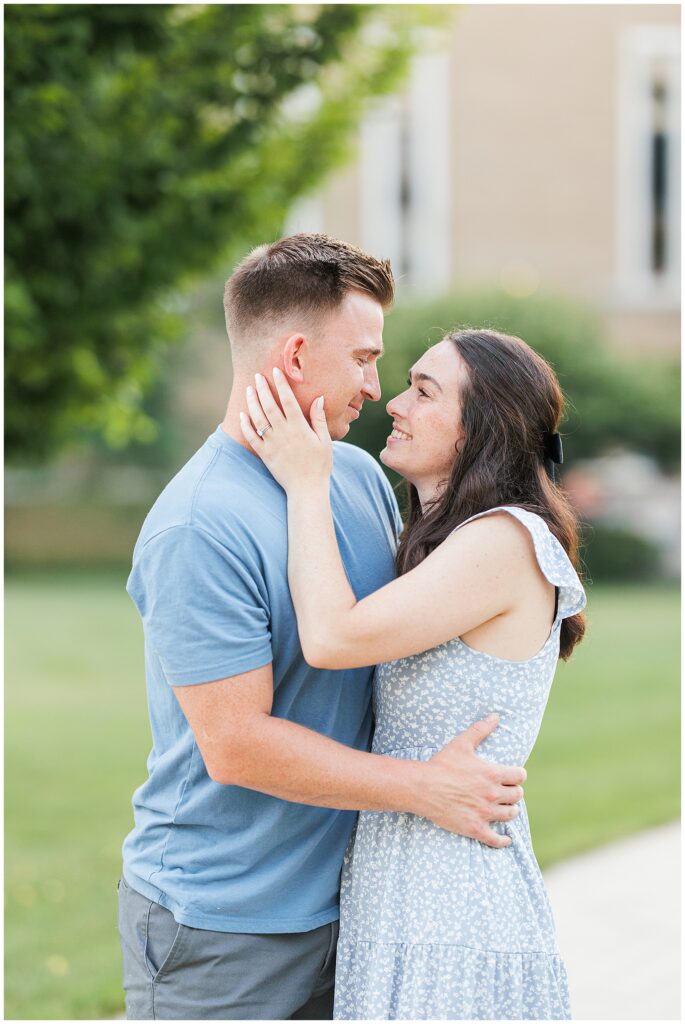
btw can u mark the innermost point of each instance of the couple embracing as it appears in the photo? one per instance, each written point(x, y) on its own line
point(341, 704)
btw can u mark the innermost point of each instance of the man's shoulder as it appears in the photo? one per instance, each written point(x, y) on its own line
point(362, 479)
point(351, 455)
point(215, 493)
point(175, 504)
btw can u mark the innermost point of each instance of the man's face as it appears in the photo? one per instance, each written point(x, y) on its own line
point(340, 362)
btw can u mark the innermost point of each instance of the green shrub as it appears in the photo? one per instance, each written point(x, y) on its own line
point(614, 554)
point(612, 401)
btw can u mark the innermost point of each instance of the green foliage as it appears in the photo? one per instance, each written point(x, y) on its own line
point(77, 738)
point(613, 553)
point(610, 400)
point(142, 142)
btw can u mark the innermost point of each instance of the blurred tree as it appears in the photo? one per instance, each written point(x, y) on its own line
point(142, 142)
point(612, 402)
point(617, 554)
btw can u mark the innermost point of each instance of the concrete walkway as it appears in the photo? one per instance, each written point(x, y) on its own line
point(617, 914)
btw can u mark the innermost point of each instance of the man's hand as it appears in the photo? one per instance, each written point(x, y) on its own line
point(463, 793)
point(243, 745)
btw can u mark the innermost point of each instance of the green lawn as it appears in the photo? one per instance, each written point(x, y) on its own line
point(607, 761)
point(606, 764)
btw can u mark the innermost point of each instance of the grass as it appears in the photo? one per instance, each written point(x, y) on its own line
point(607, 761)
point(77, 737)
point(76, 742)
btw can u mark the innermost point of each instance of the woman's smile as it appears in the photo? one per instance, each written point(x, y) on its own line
point(399, 435)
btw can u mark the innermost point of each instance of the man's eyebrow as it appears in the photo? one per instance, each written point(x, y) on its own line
point(424, 376)
point(380, 352)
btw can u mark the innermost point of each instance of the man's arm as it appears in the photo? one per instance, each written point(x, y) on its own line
point(243, 745)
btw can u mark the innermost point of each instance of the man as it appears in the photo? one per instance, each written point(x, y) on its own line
point(229, 896)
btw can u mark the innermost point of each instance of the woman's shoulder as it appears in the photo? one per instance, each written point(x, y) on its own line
point(508, 523)
point(496, 534)
point(513, 539)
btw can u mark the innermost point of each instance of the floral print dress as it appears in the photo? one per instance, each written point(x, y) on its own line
point(435, 926)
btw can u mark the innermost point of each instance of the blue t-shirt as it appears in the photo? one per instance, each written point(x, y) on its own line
point(209, 579)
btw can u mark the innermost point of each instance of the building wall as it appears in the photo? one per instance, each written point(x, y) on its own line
point(531, 153)
point(518, 155)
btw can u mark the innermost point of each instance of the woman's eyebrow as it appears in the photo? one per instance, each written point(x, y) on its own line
point(424, 376)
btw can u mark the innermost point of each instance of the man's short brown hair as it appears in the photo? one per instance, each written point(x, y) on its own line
point(307, 274)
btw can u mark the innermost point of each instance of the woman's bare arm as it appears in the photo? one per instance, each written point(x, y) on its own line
point(474, 576)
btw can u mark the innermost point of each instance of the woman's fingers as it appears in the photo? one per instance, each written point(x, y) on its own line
point(259, 418)
point(317, 416)
point(266, 414)
point(267, 400)
point(249, 432)
point(285, 394)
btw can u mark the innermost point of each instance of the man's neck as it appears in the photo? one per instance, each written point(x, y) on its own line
point(236, 403)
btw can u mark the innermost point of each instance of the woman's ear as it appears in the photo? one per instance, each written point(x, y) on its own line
point(293, 357)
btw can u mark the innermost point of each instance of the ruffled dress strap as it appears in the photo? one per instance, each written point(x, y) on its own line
point(552, 559)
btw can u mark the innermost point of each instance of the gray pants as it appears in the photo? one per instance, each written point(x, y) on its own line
point(172, 972)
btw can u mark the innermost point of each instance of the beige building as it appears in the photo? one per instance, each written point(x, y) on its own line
point(533, 147)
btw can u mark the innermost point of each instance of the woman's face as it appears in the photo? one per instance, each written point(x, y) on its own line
point(427, 429)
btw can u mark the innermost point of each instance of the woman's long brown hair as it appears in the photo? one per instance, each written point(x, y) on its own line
point(511, 400)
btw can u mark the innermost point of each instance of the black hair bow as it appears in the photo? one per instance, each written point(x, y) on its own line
point(554, 452)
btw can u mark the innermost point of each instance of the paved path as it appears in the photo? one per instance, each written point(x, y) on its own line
point(617, 914)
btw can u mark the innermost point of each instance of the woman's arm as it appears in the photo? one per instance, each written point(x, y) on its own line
point(471, 578)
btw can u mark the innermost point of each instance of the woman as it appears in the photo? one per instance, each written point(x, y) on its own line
point(435, 925)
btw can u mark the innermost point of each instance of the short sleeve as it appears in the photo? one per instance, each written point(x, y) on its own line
point(398, 525)
point(389, 501)
point(204, 608)
point(551, 557)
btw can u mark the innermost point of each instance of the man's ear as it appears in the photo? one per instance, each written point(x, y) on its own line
point(294, 357)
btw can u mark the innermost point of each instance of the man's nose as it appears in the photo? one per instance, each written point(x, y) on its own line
point(372, 385)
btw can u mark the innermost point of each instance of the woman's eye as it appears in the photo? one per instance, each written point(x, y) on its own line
point(424, 394)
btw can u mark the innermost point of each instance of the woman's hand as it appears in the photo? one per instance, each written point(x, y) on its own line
point(297, 455)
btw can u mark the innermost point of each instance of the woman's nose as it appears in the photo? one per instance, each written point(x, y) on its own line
point(395, 405)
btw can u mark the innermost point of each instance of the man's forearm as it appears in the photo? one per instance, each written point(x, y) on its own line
point(294, 763)
point(244, 745)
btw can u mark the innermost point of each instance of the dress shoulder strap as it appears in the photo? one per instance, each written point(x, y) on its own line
point(552, 559)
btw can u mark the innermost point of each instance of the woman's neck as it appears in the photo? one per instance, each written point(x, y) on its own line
point(429, 492)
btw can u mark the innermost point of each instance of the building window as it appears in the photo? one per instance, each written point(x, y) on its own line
point(381, 219)
point(648, 192)
point(659, 177)
point(405, 185)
